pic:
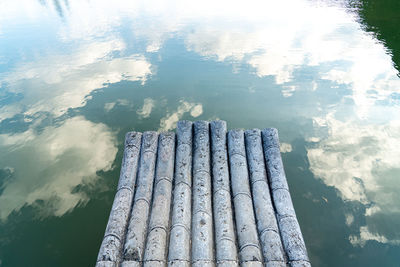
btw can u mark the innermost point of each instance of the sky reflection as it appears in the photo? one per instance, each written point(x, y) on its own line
point(75, 75)
point(47, 166)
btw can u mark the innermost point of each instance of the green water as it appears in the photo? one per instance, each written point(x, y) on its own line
point(75, 76)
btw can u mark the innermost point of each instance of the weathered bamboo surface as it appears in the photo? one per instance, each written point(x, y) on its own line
point(204, 196)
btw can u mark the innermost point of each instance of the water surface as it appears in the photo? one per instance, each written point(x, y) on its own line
point(75, 76)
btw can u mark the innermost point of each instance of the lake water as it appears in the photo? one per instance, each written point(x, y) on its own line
point(75, 76)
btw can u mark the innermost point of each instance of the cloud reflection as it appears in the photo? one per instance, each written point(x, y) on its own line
point(119, 102)
point(56, 83)
point(170, 119)
point(362, 162)
point(47, 166)
point(277, 46)
point(145, 111)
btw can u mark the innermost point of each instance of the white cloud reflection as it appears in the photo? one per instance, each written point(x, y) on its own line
point(47, 166)
point(119, 102)
point(285, 40)
point(362, 162)
point(145, 111)
point(272, 38)
point(169, 121)
point(286, 148)
point(59, 82)
point(365, 235)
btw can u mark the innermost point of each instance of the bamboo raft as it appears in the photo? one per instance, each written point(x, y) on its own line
point(203, 197)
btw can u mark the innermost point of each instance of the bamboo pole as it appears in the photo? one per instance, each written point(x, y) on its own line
point(225, 239)
point(267, 225)
point(156, 247)
point(292, 238)
point(202, 218)
point(111, 247)
point(249, 248)
point(179, 241)
point(137, 228)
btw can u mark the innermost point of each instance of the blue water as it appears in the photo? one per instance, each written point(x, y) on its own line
point(75, 76)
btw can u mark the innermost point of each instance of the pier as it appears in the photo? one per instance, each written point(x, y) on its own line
point(204, 196)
